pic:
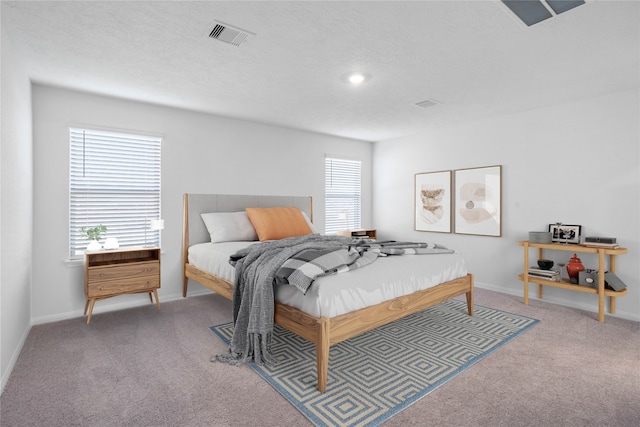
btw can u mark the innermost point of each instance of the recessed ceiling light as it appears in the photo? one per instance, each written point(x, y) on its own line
point(356, 78)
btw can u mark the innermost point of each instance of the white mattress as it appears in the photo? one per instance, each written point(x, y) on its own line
point(330, 296)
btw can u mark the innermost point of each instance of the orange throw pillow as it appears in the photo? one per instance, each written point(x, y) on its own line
point(278, 223)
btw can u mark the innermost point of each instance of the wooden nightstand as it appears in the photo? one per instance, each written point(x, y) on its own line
point(369, 233)
point(122, 271)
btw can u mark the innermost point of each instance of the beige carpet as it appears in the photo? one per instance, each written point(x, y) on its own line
point(144, 367)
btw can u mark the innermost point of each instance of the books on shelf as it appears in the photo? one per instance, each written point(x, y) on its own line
point(551, 275)
point(543, 272)
point(600, 245)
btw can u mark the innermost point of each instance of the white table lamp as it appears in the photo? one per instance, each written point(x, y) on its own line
point(154, 225)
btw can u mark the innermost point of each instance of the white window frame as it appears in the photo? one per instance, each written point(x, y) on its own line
point(114, 180)
point(342, 194)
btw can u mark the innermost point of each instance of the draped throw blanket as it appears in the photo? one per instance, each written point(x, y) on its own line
point(297, 261)
point(391, 247)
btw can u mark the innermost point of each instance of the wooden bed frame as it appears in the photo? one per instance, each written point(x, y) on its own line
point(323, 332)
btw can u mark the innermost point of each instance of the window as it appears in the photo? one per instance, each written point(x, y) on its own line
point(114, 180)
point(341, 194)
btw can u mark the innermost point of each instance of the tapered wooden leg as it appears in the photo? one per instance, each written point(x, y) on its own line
point(470, 297)
point(185, 283)
point(322, 353)
point(601, 286)
point(91, 303)
point(155, 294)
point(86, 306)
point(151, 297)
point(526, 273)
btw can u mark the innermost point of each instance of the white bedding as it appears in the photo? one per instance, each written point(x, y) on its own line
point(384, 279)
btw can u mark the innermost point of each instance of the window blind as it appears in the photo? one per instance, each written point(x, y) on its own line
point(114, 180)
point(342, 194)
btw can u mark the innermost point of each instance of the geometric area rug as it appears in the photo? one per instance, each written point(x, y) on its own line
point(377, 374)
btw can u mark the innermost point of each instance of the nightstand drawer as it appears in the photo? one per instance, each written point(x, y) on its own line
point(120, 271)
point(124, 285)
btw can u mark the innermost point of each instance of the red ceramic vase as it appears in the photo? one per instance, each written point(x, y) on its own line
point(574, 267)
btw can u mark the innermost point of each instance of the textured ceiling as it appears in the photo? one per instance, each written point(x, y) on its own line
point(474, 57)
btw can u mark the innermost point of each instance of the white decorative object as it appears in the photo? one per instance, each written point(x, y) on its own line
point(111, 243)
point(93, 246)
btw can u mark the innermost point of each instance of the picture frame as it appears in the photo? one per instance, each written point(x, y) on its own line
point(565, 233)
point(478, 201)
point(432, 201)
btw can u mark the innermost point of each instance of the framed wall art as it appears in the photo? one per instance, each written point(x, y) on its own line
point(478, 201)
point(563, 233)
point(433, 201)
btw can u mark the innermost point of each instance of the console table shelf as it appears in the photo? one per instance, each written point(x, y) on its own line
point(601, 291)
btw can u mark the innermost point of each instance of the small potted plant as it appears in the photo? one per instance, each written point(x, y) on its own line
point(93, 234)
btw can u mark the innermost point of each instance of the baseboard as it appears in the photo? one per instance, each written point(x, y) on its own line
point(173, 297)
point(14, 357)
point(533, 295)
point(166, 298)
point(105, 308)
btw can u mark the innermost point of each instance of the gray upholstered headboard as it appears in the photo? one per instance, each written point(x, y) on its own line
point(194, 204)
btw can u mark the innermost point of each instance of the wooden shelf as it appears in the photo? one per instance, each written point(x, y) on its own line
point(565, 284)
point(572, 247)
point(600, 291)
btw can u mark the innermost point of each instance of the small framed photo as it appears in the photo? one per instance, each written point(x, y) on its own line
point(433, 201)
point(564, 233)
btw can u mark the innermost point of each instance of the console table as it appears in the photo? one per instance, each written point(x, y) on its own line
point(601, 291)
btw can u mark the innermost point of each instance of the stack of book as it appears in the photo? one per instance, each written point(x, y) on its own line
point(552, 275)
point(601, 242)
point(600, 245)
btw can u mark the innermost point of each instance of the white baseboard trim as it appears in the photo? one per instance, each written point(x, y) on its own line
point(166, 298)
point(534, 295)
point(14, 357)
point(109, 307)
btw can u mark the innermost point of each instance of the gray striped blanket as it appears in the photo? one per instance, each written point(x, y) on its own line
point(296, 261)
point(301, 269)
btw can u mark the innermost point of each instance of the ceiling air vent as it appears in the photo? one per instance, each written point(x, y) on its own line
point(229, 34)
point(428, 103)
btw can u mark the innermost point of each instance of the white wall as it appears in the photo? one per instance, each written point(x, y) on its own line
point(577, 163)
point(201, 153)
point(15, 208)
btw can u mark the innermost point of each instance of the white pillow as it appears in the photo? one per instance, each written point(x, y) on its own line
point(229, 227)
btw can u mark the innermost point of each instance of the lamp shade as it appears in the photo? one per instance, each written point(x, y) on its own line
point(156, 224)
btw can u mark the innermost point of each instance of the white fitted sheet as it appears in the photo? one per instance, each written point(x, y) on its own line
point(386, 278)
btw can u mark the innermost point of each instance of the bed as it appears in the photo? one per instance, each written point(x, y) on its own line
point(323, 329)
